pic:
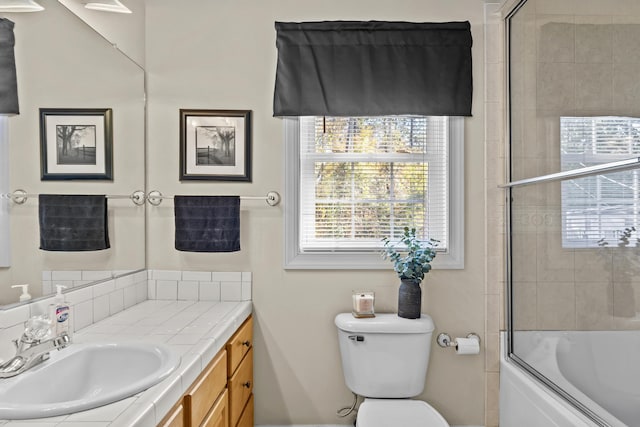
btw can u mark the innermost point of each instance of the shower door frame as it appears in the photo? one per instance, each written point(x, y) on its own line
point(631, 163)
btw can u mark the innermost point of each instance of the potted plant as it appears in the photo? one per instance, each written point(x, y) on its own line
point(411, 263)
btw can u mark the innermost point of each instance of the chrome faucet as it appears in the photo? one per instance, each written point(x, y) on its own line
point(33, 348)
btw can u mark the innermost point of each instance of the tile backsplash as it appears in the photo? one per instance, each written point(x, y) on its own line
point(199, 285)
point(76, 278)
point(104, 298)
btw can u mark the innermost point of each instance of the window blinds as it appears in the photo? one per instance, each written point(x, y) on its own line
point(374, 68)
point(597, 210)
point(363, 178)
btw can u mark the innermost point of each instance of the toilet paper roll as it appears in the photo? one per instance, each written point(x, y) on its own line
point(465, 346)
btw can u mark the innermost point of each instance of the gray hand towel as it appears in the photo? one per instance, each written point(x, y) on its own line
point(8, 79)
point(73, 222)
point(207, 223)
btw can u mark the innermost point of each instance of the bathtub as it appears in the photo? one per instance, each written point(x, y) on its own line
point(600, 369)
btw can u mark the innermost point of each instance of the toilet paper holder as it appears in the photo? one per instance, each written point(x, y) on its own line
point(444, 339)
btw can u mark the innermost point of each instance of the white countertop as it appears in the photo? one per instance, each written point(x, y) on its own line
point(196, 330)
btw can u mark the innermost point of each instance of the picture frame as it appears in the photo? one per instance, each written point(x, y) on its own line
point(76, 143)
point(215, 145)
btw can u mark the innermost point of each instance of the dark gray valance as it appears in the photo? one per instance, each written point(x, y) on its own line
point(8, 80)
point(373, 68)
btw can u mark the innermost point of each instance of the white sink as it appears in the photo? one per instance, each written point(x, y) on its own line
point(84, 376)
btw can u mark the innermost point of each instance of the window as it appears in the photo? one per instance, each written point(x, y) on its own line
point(352, 180)
point(597, 210)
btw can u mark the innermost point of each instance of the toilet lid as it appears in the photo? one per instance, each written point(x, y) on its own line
point(398, 412)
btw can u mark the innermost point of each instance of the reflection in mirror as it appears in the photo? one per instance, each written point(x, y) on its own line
point(125, 31)
point(63, 63)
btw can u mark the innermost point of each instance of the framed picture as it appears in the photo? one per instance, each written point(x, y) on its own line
point(215, 145)
point(76, 143)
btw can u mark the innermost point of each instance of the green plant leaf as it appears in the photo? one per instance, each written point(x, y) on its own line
point(414, 260)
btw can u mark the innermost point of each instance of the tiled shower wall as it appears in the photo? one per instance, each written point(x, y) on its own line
point(495, 205)
point(568, 61)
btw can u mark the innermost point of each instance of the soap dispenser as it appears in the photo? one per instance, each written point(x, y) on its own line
point(26, 296)
point(60, 313)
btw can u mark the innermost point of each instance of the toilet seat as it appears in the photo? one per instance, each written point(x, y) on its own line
point(398, 412)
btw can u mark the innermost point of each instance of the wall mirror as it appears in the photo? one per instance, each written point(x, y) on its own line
point(125, 31)
point(70, 63)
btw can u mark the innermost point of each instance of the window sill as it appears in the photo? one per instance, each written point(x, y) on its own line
point(358, 261)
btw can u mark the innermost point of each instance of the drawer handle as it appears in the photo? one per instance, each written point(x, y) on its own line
point(246, 343)
point(247, 384)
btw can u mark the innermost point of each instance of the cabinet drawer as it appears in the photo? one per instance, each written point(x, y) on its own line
point(239, 345)
point(246, 419)
point(240, 387)
point(198, 400)
point(175, 417)
point(219, 414)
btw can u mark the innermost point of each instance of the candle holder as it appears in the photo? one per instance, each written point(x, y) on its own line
point(363, 303)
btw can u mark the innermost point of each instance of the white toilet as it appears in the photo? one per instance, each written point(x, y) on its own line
point(385, 359)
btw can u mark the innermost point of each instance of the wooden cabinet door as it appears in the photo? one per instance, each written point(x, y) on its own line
point(219, 414)
point(206, 389)
point(240, 387)
point(175, 417)
point(222, 395)
point(239, 345)
point(246, 419)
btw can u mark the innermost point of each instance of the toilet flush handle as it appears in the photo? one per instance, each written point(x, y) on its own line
point(356, 338)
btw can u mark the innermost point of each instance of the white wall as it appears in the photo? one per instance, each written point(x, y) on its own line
point(5, 238)
point(222, 55)
point(124, 30)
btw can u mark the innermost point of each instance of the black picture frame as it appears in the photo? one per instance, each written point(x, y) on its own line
point(76, 144)
point(215, 145)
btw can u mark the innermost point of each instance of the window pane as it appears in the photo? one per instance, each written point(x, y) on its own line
point(371, 220)
point(409, 215)
point(393, 134)
point(364, 178)
point(351, 180)
point(333, 180)
point(333, 220)
point(410, 181)
point(592, 207)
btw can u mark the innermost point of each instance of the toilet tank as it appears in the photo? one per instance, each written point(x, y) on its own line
point(385, 356)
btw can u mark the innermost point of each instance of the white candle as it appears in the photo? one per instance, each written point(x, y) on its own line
point(363, 303)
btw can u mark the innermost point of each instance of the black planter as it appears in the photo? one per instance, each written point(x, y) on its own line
point(409, 299)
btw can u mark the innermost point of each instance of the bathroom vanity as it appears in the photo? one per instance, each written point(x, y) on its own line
point(213, 384)
point(222, 395)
